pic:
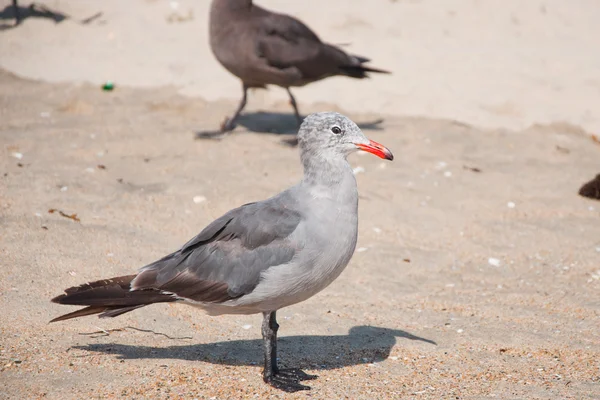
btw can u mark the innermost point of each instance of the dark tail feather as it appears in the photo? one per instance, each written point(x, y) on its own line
point(359, 70)
point(80, 313)
point(348, 64)
point(362, 59)
point(109, 298)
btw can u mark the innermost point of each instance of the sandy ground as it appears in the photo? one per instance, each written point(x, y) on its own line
point(478, 268)
point(491, 63)
point(420, 312)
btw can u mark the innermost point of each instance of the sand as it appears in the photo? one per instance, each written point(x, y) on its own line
point(477, 273)
point(492, 63)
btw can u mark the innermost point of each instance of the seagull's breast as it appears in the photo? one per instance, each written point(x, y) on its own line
point(325, 241)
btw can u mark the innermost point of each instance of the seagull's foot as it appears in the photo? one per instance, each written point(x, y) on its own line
point(288, 379)
point(226, 127)
point(214, 135)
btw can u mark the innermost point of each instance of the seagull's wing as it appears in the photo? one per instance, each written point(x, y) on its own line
point(223, 262)
point(226, 259)
point(284, 41)
point(288, 44)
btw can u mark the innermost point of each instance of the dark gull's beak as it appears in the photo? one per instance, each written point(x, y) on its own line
point(375, 148)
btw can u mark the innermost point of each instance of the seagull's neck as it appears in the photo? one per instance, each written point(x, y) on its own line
point(322, 170)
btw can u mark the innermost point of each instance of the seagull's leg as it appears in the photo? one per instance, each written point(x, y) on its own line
point(284, 379)
point(229, 123)
point(293, 103)
point(17, 13)
point(269, 332)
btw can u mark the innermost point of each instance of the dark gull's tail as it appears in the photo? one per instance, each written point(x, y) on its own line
point(349, 64)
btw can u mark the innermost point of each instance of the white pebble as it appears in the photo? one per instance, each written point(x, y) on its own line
point(358, 170)
point(510, 204)
point(64, 188)
point(45, 114)
point(393, 358)
point(37, 214)
point(450, 285)
point(441, 165)
point(100, 154)
point(109, 254)
point(247, 326)
point(494, 262)
point(591, 208)
point(90, 170)
point(598, 249)
point(459, 331)
point(382, 165)
point(17, 155)
point(199, 199)
point(447, 174)
point(361, 249)
point(377, 230)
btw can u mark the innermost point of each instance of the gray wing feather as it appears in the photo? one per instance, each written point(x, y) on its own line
point(226, 259)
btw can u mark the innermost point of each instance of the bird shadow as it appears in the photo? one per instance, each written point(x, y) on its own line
point(276, 123)
point(18, 14)
point(362, 345)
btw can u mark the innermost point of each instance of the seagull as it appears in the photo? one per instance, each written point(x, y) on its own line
point(262, 256)
point(265, 48)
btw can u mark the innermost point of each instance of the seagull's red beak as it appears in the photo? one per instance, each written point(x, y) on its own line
point(375, 148)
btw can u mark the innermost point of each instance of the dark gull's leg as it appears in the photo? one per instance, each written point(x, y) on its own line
point(293, 103)
point(284, 379)
point(229, 123)
point(17, 13)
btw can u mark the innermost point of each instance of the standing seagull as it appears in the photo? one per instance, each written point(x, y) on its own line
point(265, 48)
point(261, 256)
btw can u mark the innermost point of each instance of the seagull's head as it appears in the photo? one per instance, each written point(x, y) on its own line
point(333, 134)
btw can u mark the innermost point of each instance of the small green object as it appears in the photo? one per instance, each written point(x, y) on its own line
point(108, 86)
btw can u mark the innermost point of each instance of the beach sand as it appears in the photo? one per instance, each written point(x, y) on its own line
point(477, 272)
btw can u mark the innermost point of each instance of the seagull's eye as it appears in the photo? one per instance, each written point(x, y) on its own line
point(336, 129)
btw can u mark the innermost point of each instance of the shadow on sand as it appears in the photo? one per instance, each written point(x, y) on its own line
point(19, 13)
point(275, 123)
point(362, 345)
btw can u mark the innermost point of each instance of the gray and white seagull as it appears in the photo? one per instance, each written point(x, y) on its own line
point(262, 256)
